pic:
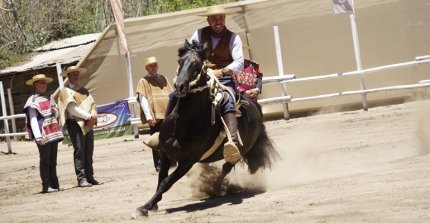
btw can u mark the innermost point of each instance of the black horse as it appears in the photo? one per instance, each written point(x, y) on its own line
point(191, 127)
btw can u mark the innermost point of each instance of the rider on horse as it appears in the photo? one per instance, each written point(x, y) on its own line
point(225, 58)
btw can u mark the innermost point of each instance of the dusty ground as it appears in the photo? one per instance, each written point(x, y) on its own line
point(342, 167)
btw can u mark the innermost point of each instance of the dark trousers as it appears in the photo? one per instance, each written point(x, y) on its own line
point(229, 106)
point(48, 165)
point(83, 146)
point(156, 153)
point(225, 108)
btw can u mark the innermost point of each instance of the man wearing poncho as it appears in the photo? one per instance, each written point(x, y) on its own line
point(79, 115)
point(42, 127)
point(153, 95)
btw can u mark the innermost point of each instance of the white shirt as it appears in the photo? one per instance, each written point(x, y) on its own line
point(75, 110)
point(235, 49)
point(34, 124)
point(145, 107)
point(35, 128)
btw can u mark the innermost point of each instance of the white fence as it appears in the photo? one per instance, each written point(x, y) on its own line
point(5, 118)
point(291, 79)
point(283, 79)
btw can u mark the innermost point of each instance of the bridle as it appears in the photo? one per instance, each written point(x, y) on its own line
point(193, 87)
point(212, 83)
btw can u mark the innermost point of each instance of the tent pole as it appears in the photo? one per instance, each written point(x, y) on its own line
point(280, 68)
point(246, 32)
point(131, 99)
point(357, 54)
point(59, 77)
point(129, 76)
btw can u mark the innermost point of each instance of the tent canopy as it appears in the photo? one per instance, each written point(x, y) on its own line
point(314, 41)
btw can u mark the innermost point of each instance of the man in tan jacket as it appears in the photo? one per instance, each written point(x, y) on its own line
point(153, 95)
point(78, 113)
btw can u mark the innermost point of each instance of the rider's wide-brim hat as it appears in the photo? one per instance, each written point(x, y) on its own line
point(39, 77)
point(215, 10)
point(71, 69)
point(150, 60)
point(152, 141)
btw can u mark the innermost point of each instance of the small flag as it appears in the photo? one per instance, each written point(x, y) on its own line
point(342, 6)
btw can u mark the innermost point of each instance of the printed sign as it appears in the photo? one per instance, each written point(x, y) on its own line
point(113, 120)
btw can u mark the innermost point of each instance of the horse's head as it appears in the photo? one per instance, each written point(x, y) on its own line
point(190, 71)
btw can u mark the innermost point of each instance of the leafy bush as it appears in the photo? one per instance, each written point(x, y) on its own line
point(8, 58)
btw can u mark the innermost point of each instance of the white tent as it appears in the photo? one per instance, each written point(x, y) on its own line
point(314, 41)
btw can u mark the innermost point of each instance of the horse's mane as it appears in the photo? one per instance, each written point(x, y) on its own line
point(192, 46)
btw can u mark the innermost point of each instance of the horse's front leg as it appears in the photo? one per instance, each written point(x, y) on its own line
point(165, 184)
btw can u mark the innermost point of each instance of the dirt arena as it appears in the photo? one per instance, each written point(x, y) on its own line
point(350, 166)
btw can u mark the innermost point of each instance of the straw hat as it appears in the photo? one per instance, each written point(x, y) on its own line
point(152, 141)
point(150, 60)
point(73, 69)
point(39, 77)
point(215, 10)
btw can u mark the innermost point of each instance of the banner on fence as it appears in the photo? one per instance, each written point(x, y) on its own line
point(113, 120)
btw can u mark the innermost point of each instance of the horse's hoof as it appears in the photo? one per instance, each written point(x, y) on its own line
point(142, 211)
point(155, 208)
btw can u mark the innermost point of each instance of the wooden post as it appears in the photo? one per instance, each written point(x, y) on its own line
point(12, 112)
point(4, 113)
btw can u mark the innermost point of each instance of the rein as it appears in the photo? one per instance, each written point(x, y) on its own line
point(193, 83)
point(216, 89)
point(213, 83)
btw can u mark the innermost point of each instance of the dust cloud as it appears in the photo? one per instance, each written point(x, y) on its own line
point(423, 129)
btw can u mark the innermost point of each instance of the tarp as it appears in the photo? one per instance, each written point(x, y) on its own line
point(314, 41)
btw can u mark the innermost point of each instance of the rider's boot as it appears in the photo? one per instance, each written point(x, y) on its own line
point(231, 150)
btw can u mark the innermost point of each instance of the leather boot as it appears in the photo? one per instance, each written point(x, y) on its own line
point(231, 150)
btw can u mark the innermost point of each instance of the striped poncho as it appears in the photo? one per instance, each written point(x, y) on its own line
point(46, 118)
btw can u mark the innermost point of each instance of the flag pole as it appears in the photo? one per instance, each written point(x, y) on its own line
point(119, 19)
point(357, 54)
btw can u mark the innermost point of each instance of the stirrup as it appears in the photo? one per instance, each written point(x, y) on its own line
point(231, 153)
point(152, 141)
point(238, 113)
point(243, 103)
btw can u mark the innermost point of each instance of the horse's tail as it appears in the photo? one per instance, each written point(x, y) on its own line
point(263, 154)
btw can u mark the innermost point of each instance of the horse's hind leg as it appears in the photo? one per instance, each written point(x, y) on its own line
point(226, 168)
point(165, 185)
point(221, 184)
